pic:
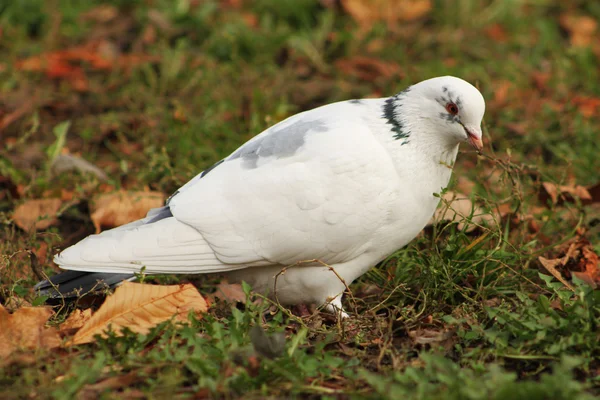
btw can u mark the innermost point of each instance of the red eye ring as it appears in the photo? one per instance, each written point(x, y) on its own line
point(452, 108)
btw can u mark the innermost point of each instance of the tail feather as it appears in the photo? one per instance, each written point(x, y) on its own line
point(78, 283)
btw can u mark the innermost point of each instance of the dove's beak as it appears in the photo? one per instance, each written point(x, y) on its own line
point(474, 137)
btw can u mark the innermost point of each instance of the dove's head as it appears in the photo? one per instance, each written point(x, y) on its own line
point(449, 107)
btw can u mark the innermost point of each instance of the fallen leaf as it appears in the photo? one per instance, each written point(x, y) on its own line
point(501, 90)
point(496, 32)
point(140, 307)
point(76, 320)
point(588, 264)
point(581, 29)
point(540, 79)
point(25, 329)
point(18, 113)
point(560, 193)
point(551, 265)
point(113, 383)
point(368, 12)
point(434, 337)
point(230, 292)
point(66, 64)
point(119, 208)
point(587, 106)
point(367, 68)
point(457, 207)
point(35, 215)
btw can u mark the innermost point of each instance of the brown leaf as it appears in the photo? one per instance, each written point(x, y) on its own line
point(35, 215)
point(581, 29)
point(140, 307)
point(496, 32)
point(587, 106)
point(560, 193)
point(76, 320)
point(65, 64)
point(588, 264)
point(501, 90)
point(551, 265)
point(368, 69)
point(230, 292)
point(457, 207)
point(25, 329)
point(92, 391)
point(368, 12)
point(119, 208)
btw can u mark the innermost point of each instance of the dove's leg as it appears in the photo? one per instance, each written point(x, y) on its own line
point(335, 307)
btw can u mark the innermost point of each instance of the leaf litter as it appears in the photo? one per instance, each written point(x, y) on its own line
point(139, 307)
point(26, 329)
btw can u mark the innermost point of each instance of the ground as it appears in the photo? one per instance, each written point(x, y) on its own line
point(151, 92)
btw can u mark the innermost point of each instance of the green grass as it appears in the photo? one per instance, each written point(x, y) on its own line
point(455, 314)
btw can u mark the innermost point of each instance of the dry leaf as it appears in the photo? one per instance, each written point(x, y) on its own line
point(496, 32)
point(588, 264)
point(76, 320)
point(140, 307)
point(35, 215)
point(560, 193)
point(581, 29)
point(115, 209)
point(501, 90)
point(66, 64)
point(551, 265)
point(434, 337)
point(113, 383)
point(587, 106)
point(368, 12)
point(457, 207)
point(230, 292)
point(367, 68)
point(25, 329)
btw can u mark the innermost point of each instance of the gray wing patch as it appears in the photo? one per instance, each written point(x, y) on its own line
point(282, 142)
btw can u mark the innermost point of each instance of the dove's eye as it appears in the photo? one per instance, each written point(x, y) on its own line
point(452, 108)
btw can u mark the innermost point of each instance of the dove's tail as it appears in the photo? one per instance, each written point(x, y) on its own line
point(157, 244)
point(78, 283)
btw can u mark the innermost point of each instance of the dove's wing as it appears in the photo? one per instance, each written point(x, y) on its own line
point(312, 186)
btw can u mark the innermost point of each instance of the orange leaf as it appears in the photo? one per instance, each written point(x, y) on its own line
point(119, 208)
point(368, 12)
point(76, 320)
point(496, 32)
point(230, 292)
point(140, 307)
point(25, 329)
point(561, 193)
point(581, 28)
point(587, 106)
point(35, 215)
point(368, 69)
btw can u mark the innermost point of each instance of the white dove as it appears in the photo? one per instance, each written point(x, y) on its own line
point(344, 185)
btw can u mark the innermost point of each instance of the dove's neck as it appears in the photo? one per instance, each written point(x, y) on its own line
point(419, 150)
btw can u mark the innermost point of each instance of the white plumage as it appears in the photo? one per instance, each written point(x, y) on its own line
point(347, 184)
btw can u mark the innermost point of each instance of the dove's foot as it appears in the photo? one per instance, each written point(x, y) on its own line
point(335, 307)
